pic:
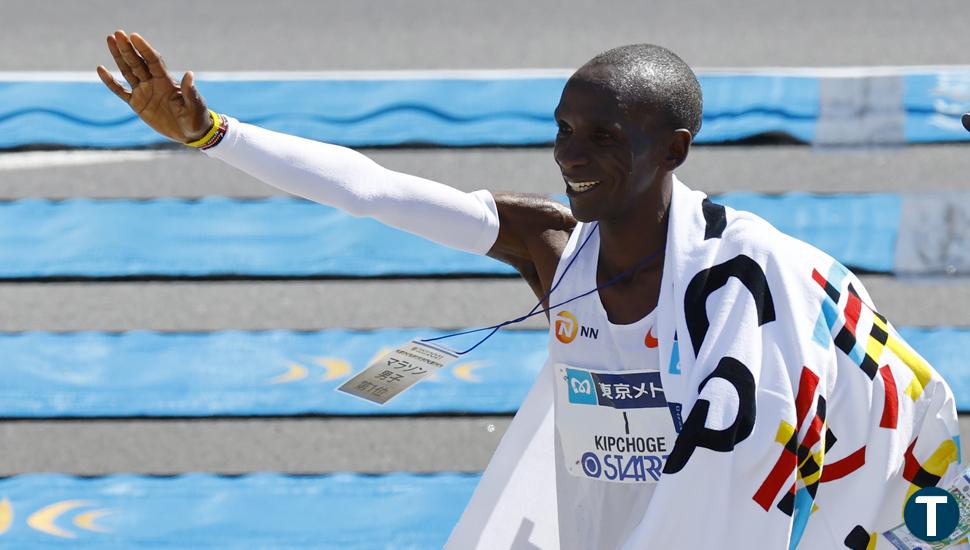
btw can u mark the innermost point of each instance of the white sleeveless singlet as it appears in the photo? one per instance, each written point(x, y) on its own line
point(594, 510)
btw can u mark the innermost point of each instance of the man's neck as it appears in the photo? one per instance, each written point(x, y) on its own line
point(628, 240)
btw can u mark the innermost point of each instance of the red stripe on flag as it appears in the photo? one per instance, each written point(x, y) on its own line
point(890, 411)
point(843, 467)
point(912, 466)
point(779, 474)
point(806, 393)
point(852, 309)
point(819, 278)
point(814, 433)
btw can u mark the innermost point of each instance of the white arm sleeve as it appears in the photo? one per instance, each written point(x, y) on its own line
point(348, 180)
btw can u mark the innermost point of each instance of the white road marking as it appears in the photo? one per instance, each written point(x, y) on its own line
point(48, 159)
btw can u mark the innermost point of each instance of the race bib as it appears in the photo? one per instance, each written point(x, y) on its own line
point(613, 426)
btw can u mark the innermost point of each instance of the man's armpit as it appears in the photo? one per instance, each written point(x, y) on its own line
point(527, 226)
point(533, 232)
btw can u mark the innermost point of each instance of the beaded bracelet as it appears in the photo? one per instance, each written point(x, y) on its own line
point(215, 134)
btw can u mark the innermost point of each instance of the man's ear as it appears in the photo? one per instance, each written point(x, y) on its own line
point(677, 149)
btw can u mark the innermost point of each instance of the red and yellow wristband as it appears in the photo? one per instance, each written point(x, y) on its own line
point(220, 125)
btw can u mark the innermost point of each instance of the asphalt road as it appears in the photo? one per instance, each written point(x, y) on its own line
point(232, 446)
point(240, 445)
point(715, 169)
point(444, 34)
point(203, 306)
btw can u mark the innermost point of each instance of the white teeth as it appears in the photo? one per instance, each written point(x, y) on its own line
point(582, 185)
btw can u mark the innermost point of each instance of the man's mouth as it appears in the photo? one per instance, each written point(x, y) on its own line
point(581, 186)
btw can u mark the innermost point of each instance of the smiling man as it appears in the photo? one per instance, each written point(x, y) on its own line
point(711, 382)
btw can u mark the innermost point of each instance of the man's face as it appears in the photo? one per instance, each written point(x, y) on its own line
point(608, 157)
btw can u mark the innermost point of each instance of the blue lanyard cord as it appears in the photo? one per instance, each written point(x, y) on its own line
point(532, 312)
point(536, 311)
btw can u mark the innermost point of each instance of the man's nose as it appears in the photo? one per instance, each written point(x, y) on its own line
point(569, 156)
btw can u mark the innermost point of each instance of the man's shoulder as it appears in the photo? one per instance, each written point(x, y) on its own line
point(535, 209)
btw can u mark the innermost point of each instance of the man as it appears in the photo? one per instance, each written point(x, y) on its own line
point(742, 390)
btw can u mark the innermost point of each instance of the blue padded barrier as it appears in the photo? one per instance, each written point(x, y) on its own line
point(247, 373)
point(488, 109)
point(739, 106)
point(464, 111)
point(339, 512)
point(858, 230)
point(284, 237)
point(283, 373)
point(946, 349)
point(348, 112)
point(279, 236)
point(933, 103)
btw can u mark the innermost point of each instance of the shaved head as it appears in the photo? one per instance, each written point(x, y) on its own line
point(645, 76)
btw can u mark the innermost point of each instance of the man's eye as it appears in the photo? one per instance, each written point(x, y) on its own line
point(564, 128)
point(602, 136)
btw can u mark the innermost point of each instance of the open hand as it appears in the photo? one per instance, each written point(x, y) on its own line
point(176, 111)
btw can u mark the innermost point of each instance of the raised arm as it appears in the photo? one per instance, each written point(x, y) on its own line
point(526, 231)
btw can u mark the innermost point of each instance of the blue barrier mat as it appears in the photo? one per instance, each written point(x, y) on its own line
point(340, 511)
point(278, 236)
point(247, 373)
point(283, 373)
point(285, 237)
point(488, 110)
point(858, 230)
point(934, 103)
point(358, 112)
point(946, 349)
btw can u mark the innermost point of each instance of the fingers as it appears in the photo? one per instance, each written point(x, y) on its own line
point(193, 99)
point(200, 119)
point(132, 58)
point(113, 84)
point(154, 61)
point(122, 65)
